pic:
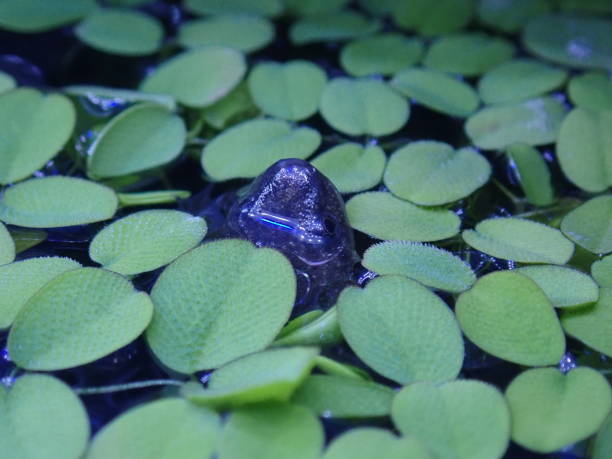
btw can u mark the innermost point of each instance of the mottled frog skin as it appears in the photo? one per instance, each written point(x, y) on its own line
point(295, 209)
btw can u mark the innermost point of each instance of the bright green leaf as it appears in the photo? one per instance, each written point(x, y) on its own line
point(363, 106)
point(22, 279)
point(112, 96)
point(76, 318)
point(7, 247)
point(170, 428)
point(220, 301)
point(33, 128)
point(433, 18)
point(139, 138)
point(290, 90)
point(370, 442)
point(322, 330)
point(590, 225)
point(532, 172)
point(427, 264)
point(32, 16)
point(401, 330)
point(457, 420)
point(260, 7)
point(56, 201)
point(146, 240)
point(551, 410)
point(7, 82)
point(199, 77)
point(352, 167)
point(342, 25)
point(508, 315)
point(602, 447)
point(386, 217)
point(601, 271)
point(249, 148)
point(591, 90)
point(534, 122)
point(42, 419)
point(510, 15)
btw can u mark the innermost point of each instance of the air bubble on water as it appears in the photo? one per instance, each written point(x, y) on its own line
point(567, 363)
point(4, 355)
point(7, 381)
point(84, 142)
point(102, 106)
point(326, 414)
point(366, 277)
point(579, 48)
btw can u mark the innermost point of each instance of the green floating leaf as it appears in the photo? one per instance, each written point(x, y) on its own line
point(260, 7)
point(290, 90)
point(33, 128)
point(520, 240)
point(249, 148)
point(401, 330)
point(7, 247)
point(532, 172)
point(352, 167)
point(584, 148)
point(575, 41)
point(508, 315)
point(602, 447)
point(534, 122)
point(313, 7)
point(76, 318)
point(592, 324)
point(432, 173)
point(19, 281)
point(263, 376)
point(98, 94)
point(243, 32)
point(590, 225)
point(589, 6)
point(518, 80)
point(120, 31)
point(386, 217)
point(457, 420)
point(271, 431)
point(139, 138)
point(301, 321)
point(220, 301)
point(7, 82)
point(382, 54)
point(170, 427)
point(323, 329)
point(199, 77)
point(551, 410)
point(468, 54)
point(363, 106)
point(433, 18)
point(146, 240)
point(602, 271)
point(564, 287)
point(342, 397)
point(369, 442)
point(427, 264)
point(234, 107)
point(342, 25)
point(56, 201)
point(510, 15)
point(25, 238)
point(591, 90)
point(32, 16)
point(437, 90)
point(42, 418)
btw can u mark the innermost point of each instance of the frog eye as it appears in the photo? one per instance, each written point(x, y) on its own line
point(329, 225)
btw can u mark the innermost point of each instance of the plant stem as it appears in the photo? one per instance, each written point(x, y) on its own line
point(127, 386)
point(151, 197)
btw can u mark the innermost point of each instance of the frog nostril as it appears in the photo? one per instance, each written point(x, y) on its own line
point(329, 224)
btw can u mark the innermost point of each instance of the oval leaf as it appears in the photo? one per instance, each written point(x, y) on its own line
point(249, 148)
point(22, 279)
point(427, 264)
point(40, 15)
point(290, 90)
point(421, 338)
point(431, 173)
point(369, 442)
point(590, 225)
point(139, 138)
point(170, 427)
point(591, 90)
point(365, 106)
point(7, 247)
point(452, 419)
point(384, 216)
point(520, 240)
point(532, 172)
point(342, 25)
point(551, 410)
point(33, 128)
point(43, 410)
point(76, 318)
point(146, 240)
point(56, 201)
point(198, 78)
point(508, 315)
point(220, 301)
